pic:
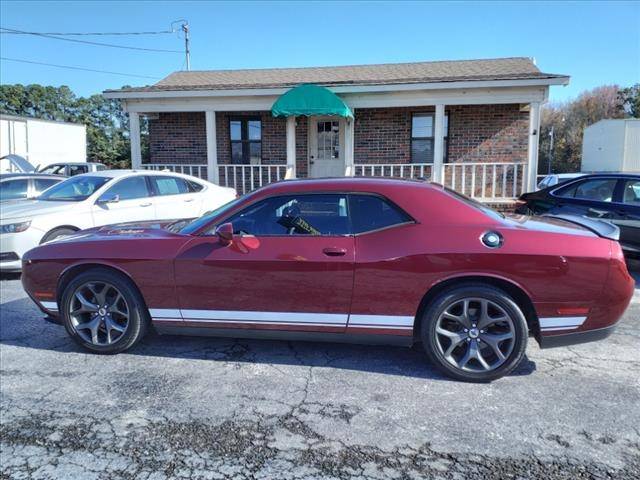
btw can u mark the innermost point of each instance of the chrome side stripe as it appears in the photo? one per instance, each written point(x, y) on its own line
point(53, 306)
point(381, 321)
point(165, 313)
point(283, 318)
point(551, 324)
point(277, 317)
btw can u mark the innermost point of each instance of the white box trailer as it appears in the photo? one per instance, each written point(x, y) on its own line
point(42, 142)
point(612, 146)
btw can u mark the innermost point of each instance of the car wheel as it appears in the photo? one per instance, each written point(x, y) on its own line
point(474, 333)
point(57, 233)
point(103, 311)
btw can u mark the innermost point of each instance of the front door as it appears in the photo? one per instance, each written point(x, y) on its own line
point(290, 267)
point(326, 147)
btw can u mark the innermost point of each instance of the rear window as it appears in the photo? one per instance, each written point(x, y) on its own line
point(370, 212)
point(169, 185)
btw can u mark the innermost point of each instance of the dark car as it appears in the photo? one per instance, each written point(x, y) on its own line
point(24, 186)
point(359, 260)
point(607, 196)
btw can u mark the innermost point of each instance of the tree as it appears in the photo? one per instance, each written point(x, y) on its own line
point(629, 100)
point(107, 124)
point(568, 121)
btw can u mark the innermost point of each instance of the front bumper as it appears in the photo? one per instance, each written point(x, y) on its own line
point(574, 338)
point(16, 245)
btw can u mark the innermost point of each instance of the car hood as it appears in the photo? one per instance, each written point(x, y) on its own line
point(118, 232)
point(32, 208)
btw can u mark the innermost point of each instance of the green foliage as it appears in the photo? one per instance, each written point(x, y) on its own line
point(107, 124)
point(629, 99)
point(569, 120)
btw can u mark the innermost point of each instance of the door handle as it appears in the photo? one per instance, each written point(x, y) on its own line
point(334, 252)
point(188, 199)
point(145, 204)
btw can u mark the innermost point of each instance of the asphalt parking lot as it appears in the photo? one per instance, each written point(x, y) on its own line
point(178, 407)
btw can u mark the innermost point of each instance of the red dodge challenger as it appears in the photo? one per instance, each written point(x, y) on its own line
point(345, 260)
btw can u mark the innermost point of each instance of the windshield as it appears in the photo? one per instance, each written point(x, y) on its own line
point(198, 223)
point(475, 204)
point(74, 189)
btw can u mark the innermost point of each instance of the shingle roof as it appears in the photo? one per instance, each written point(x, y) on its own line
point(383, 74)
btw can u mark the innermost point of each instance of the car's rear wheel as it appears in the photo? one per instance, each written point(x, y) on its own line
point(474, 332)
point(103, 311)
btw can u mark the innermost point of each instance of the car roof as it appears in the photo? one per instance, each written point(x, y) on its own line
point(359, 184)
point(5, 176)
point(611, 175)
point(129, 172)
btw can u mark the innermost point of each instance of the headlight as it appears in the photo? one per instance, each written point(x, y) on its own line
point(15, 227)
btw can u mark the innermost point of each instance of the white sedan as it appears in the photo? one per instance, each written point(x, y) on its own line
point(103, 198)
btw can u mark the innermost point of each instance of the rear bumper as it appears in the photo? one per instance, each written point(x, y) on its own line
point(551, 341)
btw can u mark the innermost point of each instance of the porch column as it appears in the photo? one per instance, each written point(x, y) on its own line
point(134, 137)
point(534, 135)
point(213, 175)
point(291, 148)
point(438, 145)
point(349, 143)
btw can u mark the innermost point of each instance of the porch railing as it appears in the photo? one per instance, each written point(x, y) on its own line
point(398, 170)
point(245, 178)
point(489, 182)
point(194, 169)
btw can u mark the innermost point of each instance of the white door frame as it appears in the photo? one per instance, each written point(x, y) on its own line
point(312, 140)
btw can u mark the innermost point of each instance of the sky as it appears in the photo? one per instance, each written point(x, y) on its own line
point(596, 43)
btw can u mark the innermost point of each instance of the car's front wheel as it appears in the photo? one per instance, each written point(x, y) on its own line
point(474, 332)
point(103, 311)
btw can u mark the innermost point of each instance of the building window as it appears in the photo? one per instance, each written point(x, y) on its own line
point(246, 140)
point(422, 137)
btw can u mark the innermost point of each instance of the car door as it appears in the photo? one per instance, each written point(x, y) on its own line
point(627, 213)
point(174, 198)
point(592, 197)
point(289, 267)
point(127, 200)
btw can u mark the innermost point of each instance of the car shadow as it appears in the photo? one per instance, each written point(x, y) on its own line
point(21, 325)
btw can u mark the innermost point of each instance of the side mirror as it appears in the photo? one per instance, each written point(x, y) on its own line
point(108, 198)
point(225, 233)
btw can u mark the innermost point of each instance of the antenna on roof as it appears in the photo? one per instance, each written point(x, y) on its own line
point(184, 26)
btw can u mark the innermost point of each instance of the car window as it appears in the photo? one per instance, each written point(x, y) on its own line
point(169, 185)
point(315, 214)
point(130, 188)
point(54, 170)
point(74, 189)
point(77, 169)
point(370, 212)
point(598, 189)
point(631, 192)
point(194, 186)
point(13, 189)
point(41, 184)
point(100, 167)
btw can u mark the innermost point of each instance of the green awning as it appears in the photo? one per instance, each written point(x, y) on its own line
point(310, 100)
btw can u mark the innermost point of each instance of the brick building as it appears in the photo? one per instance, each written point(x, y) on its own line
point(472, 125)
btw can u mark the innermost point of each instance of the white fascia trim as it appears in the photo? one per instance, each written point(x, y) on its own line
point(53, 306)
point(165, 313)
point(561, 323)
point(344, 88)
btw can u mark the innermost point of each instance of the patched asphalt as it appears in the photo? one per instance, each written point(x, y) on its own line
point(179, 407)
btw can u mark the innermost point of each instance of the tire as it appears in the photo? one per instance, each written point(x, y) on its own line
point(449, 341)
point(56, 233)
point(113, 333)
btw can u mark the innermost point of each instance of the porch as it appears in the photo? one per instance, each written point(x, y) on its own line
point(469, 125)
